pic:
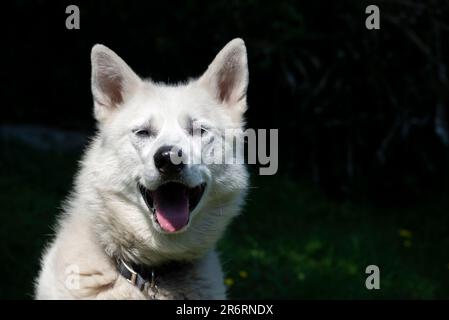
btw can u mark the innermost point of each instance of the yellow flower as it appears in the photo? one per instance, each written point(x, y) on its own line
point(243, 274)
point(229, 282)
point(404, 233)
point(407, 243)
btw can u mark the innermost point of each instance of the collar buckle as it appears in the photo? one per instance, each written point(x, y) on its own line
point(133, 279)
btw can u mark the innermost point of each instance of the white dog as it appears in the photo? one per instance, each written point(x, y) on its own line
point(137, 224)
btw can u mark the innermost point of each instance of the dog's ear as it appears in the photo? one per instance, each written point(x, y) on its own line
point(113, 81)
point(227, 76)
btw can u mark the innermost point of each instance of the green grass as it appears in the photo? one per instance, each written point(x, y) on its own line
point(293, 243)
point(290, 241)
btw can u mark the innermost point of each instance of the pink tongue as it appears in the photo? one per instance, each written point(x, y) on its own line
point(172, 207)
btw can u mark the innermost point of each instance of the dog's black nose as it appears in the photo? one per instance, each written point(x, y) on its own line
point(168, 159)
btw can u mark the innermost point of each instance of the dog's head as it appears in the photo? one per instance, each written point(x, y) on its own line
point(155, 155)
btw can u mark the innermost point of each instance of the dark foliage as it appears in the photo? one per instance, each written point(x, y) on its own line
point(361, 112)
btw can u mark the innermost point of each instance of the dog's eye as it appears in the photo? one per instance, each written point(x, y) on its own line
point(142, 132)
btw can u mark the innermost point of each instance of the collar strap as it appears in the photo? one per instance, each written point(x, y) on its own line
point(140, 280)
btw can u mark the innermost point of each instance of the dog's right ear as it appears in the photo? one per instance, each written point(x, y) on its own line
point(227, 76)
point(113, 81)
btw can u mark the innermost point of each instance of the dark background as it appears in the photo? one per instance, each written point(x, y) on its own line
point(362, 118)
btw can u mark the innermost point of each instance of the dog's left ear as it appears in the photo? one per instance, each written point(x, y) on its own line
point(113, 81)
point(227, 76)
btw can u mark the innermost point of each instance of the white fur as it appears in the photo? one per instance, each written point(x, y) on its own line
point(105, 217)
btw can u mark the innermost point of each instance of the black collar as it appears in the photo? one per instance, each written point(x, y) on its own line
point(144, 277)
point(142, 280)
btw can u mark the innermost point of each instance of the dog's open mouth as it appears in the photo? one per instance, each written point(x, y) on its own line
point(172, 203)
